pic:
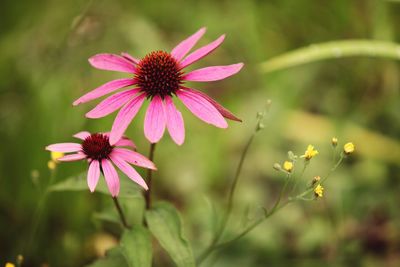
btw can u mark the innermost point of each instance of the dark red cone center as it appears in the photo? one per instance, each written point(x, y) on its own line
point(158, 74)
point(97, 146)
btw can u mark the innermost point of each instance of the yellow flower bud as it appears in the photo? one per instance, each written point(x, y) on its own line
point(334, 141)
point(348, 148)
point(9, 264)
point(56, 155)
point(319, 191)
point(288, 166)
point(316, 179)
point(51, 164)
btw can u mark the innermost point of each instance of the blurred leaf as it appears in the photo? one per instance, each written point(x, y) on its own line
point(136, 247)
point(165, 224)
point(114, 257)
point(334, 49)
point(78, 183)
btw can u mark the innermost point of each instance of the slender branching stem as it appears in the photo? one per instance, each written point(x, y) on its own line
point(147, 194)
point(121, 213)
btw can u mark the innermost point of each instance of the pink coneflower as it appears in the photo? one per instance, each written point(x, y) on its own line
point(96, 149)
point(160, 76)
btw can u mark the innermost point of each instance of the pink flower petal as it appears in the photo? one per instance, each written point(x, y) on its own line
point(111, 104)
point(184, 47)
point(201, 108)
point(130, 58)
point(134, 158)
point(93, 175)
point(154, 122)
point(224, 112)
point(72, 157)
point(125, 142)
point(111, 176)
point(124, 118)
point(104, 89)
point(213, 73)
point(112, 62)
point(175, 123)
point(82, 135)
point(201, 52)
point(128, 170)
point(64, 147)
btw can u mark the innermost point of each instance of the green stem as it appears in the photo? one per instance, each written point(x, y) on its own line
point(227, 215)
point(121, 213)
point(147, 194)
point(39, 212)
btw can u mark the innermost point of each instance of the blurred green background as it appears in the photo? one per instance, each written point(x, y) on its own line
point(44, 47)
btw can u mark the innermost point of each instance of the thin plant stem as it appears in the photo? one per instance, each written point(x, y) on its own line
point(305, 165)
point(39, 212)
point(147, 194)
point(121, 213)
point(227, 215)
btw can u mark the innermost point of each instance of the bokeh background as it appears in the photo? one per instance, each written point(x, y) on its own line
point(44, 47)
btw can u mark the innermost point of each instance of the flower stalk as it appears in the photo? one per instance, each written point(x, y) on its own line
point(147, 194)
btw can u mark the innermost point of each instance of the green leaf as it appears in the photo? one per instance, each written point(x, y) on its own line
point(165, 224)
point(114, 257)
point(136, 247)
point(79, 183)
point(334, 49)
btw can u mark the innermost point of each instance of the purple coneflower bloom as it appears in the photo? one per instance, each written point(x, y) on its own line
point(159, 76)
point(96, 149)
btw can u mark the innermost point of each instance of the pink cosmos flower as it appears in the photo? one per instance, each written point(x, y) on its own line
point(160, 76)
point(96, 149)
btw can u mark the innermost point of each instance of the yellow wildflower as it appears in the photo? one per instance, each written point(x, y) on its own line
point(288, 166)
point(56, 155)
point(310, 152)
point(319, 191)
point(51, 164)
point(9, 264)
point(348, 148)
point(334, 141)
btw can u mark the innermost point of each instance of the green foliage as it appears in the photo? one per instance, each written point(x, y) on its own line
point(334, 49)
point(136, 247)
point(114, 257)
point(166, 225)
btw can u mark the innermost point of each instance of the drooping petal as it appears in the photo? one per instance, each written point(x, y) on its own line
point(201, 52)
point(104, 90)
point(154, 122)
point(130, 58)
point(213, 73)
point(201, 108)
point(93, 175)
point(125, 142)
point(111, 104)
point(134, 158)
point(112, 62)
point(82, 135)
point(124, 118)
point(224, 112)
point(184, 47)
point(72, 157)
point(128, 170)
point(64, 147)
point(111, 176)
point(175, 124)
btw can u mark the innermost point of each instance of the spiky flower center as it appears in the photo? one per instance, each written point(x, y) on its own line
point(97, 146)
point(158, 74)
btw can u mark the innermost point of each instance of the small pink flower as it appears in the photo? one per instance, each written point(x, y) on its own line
point(159, 76)
point(96, 149)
